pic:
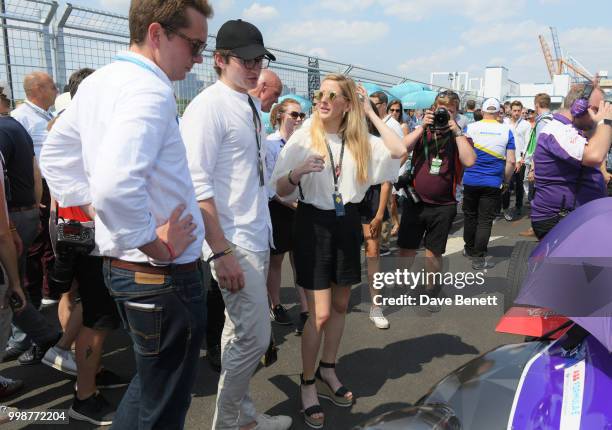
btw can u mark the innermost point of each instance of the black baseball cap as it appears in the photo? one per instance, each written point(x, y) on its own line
point(243, 39)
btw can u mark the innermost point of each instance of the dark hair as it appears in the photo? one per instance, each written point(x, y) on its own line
point(171, 13)
point(470, 104)
point(278, 109)
point(516, 103)
point(76, 78)
point(381, 96)
point(371, 128)
point(477, 115)
point(393, 103)
point(225, 54)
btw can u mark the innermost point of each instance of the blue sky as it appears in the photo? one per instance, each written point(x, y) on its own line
point(415, 37)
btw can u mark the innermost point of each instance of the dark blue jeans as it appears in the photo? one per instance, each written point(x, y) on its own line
point(165, 316)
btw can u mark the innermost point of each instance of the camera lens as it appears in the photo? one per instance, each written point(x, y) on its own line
point(61, 273)
point(441, 118)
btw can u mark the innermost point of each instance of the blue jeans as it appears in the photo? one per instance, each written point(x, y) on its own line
point(29, 324)
point(165, 316)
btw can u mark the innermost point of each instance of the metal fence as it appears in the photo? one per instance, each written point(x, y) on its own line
point(36, 35)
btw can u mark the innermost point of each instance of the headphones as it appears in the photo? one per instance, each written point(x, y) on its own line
point(581, 106)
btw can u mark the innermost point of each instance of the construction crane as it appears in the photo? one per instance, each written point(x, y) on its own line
point(562, 64)
point(557, 46)
point(547, 57)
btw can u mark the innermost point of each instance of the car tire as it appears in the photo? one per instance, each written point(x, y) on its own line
point(517, 270)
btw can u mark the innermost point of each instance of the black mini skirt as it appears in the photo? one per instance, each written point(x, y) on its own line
point(327, 248)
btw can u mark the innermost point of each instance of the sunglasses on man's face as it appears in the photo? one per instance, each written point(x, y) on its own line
point(395, 110)
point(255, 63)
point(295, 115)
point(331, 95)
point(197, 45)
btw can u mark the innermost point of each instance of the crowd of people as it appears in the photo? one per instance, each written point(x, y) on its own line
point(123, 213)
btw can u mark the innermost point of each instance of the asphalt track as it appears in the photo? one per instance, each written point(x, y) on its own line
point(385, 369)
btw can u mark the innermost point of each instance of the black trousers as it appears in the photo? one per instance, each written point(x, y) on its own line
point(479, 209)
point(542, 227)
point(515, 183)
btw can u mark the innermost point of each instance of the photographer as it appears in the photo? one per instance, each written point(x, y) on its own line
point(567, 164)
point(440, 152)
point(88, 325)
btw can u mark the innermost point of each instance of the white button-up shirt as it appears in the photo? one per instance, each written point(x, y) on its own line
point(35, 120)
point(219, 133)
point(118, 146)
point(522, 132)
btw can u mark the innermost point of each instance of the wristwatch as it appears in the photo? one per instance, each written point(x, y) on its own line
point(458, 133)
point(606, 122)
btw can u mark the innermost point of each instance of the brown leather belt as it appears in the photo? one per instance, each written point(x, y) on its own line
point(23, 208)
point(154, 270)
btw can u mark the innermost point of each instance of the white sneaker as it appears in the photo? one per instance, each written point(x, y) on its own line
point(377, 317)
point(61, 359)
point(4, 411)
point(278, 422)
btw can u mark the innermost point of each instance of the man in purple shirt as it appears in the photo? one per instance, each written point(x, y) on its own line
point(567, 162)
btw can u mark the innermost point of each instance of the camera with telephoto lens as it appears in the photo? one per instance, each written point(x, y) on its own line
point(405, 182)
point(441, 119)
point(73, 239)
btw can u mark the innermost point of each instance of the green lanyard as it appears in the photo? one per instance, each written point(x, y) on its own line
point(426, 146)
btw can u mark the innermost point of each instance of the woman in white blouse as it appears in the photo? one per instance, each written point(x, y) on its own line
point(329, 167)
point(287, 116)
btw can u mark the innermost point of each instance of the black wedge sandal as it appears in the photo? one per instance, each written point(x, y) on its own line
point(325, 391)
point(315, 423)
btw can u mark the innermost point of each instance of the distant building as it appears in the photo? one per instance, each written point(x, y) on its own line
point(497, 84)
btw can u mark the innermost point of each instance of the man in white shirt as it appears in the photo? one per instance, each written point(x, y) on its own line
point(521, 130)
point(268, 90)
point(223, 133)
point(117, 153)
point(381, 100)
point(33, 113)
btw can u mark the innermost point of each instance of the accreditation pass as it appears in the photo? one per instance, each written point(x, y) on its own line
point(30, 416)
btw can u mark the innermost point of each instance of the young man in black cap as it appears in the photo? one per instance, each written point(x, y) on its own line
point(223, 134)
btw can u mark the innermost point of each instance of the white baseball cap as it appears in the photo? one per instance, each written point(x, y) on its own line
point(491, 105)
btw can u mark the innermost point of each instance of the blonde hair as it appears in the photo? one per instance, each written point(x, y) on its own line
point(353, 128)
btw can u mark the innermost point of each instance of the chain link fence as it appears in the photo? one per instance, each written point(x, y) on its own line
point(36, 35)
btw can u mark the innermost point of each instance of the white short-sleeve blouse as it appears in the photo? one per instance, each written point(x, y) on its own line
point(318, 187)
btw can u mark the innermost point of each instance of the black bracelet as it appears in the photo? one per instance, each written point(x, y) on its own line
point(223, 253)
point(290, 181)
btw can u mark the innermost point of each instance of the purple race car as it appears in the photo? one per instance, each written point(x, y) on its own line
point(563, 379)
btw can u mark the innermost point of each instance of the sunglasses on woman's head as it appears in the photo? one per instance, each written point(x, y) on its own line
point(296, 115)
point(331, 95)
